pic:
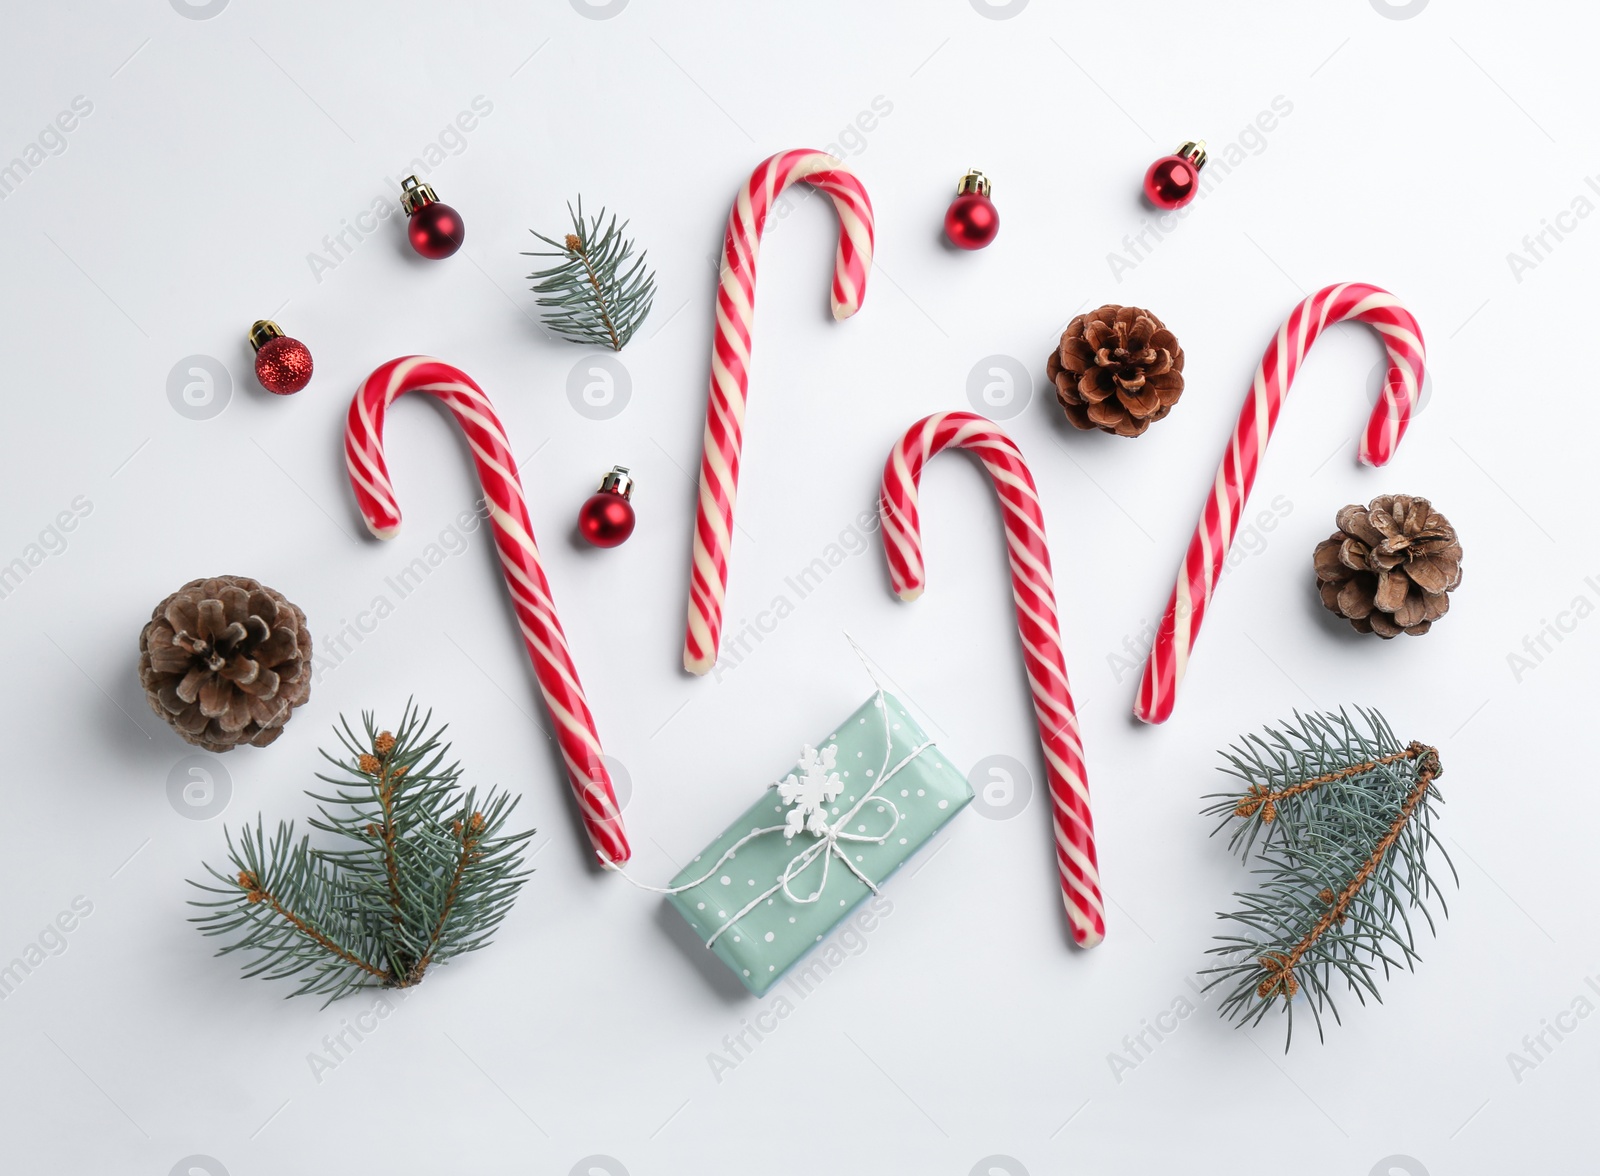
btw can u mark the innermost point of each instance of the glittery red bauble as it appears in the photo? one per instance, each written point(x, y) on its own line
point(606, 520)
point(1171, 182)
point(972, 221)
point(283, 365)
point(436, 230)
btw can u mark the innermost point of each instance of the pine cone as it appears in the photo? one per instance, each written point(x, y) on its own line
point(1118, 369)
point(1391, 566)
point(225, 661)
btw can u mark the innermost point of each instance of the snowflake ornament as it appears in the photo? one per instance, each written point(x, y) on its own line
point(810, 792)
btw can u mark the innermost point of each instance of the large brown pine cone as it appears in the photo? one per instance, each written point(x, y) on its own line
point(1391, 566)
point(1117, 369)
point(225, 661)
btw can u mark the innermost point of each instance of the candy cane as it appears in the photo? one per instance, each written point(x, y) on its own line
point(1034, 592)
point(1219, 521)
point(730, 364)
point(519, 560)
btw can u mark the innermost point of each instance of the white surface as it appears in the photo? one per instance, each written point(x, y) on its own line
point(219, 152)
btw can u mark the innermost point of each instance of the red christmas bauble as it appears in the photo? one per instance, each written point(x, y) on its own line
point(283, 365)
point(606, 520)
point(971, 221)
point(1171, 182)
point(436, 230)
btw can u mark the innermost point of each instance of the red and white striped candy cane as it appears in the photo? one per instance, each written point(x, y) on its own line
point(1202, 565)
point(519, 560)
point(1034, 592)
point(730, 363)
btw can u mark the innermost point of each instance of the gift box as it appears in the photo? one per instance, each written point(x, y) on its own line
point(798, 861)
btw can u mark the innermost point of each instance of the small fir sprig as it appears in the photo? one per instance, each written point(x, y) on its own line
point(1338, 820)
point(593, 294)
point(421, 871)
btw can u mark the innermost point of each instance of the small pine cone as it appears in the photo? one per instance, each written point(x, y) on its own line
point(1280, 977)
point(225, 660)
point(1391, 566)
point(1251, 801)
point(1117, 369)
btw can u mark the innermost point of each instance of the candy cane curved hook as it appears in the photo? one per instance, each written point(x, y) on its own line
point(730, 363)
point(1219, 521)
point(519, 561)
point(1033, 589)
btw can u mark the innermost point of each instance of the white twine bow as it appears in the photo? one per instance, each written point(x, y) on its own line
point(825, 837)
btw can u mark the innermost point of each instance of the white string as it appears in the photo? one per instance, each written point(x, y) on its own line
point(865, 663)
point(826, 844)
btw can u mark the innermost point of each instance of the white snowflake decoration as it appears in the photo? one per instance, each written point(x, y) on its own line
point(811, 792)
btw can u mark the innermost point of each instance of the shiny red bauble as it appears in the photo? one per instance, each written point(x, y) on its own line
point(283, 365)
point(971, 222)
point(1173, 180)
point(607, 518)
point(435, 230)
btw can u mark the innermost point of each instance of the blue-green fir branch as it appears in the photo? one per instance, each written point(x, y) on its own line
point(413, 870)
point(1336, 817)
point(598, 292)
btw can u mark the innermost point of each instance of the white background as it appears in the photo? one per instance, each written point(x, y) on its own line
point(218, 154)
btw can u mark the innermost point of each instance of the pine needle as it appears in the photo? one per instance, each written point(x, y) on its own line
point(422, 872)
point(593, 295)
point(1339, 820)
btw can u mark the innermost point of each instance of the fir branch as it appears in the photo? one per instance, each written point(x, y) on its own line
point(293, 913)
point(592, 295)
point(1339, 820)
point(255, 892)
point(470, 834)
point(421, 871)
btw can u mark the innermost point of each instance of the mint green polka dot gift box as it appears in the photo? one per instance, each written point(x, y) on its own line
point(819, 841)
